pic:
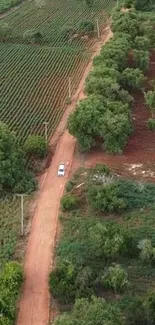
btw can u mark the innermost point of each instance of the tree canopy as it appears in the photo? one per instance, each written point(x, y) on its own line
point(13, 174)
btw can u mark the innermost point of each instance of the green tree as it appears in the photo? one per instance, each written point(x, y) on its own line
point(32, 36)
point(143, 4)
point(132, 78)
point(116, 278)
point(151, 124)
point(107, 87)
point(126, 22)
point(149, 304)
point(5, 31)
point(102, 71)
point(141, 60)
point(85, 27)
point(96, 311)
point(146, 251)
point(150, 101)
point(68, 202)
point(105, 198)
point(118, 55)
point(142, 43)
point(36, 145)
point(13, 173)
point(85, 122)
point(115, 131)
point(67, 32)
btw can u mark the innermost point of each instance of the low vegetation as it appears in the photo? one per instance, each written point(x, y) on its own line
point(105, 251)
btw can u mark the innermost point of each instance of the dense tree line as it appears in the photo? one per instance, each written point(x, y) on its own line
point(105, 113)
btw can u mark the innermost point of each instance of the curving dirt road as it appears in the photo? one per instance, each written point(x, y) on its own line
point(35, 300)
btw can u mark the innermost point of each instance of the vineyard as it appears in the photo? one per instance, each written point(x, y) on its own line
point(35, 78)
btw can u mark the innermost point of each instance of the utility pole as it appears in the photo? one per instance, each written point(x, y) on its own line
point(22, 212)
point(98, 29)
point(46, 133)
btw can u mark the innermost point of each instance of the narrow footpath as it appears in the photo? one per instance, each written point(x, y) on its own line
point(35, 300)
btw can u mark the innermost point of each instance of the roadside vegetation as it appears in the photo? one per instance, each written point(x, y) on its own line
point(105, 259)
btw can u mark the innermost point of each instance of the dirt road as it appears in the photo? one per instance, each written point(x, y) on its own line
point(35, 300)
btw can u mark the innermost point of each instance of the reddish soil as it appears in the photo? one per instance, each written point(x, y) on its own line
point(35, 300)
point(138, 159)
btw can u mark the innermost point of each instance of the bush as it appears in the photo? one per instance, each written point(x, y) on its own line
point(85, 27)
point(94, 311)
point(62, 282)
point(11, 279)
point(105, 198)
point(67, 32)
point(116, 278)
point(36, 145)
point(68, 202)
point(151, 124)
point(149, 304)
point(147, 252)
point(141, 59)
point(142, 43)
point(136, 312)
point(132, 78)
point(5, 30)
point(32, 36)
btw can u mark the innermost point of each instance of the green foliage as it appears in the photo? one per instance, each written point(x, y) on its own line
point(5, 31)
point(11, 279)
point(147, 251)
point(68, 202)
point(36, 145)
point(67, 32)
point(132, 78)
point(62, 282)
point(6, 4)
point(127, 22)
point(151, 124)
point(143, 4)
point(85, 27)
point(136, 312)
point(107, 86)
point(105, 198)
point(32, 36)
point(150, 101)
point(116, 278)
point(96, 311)
point(149, 304)
point(142, 43)
point(141, 59)
point(13, 174)
point(136, 194)
point(116, 130)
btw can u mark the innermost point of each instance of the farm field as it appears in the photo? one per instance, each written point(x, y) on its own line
point(35, 78)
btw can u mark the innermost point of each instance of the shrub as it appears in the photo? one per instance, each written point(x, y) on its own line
point(105, 198)
point(136, 312)
point(141, 59)
point(11, 279)
point(149, 304)
point(62, 282)
point(116, 278)
point(151, 124)
point(94, 311)
point(5, 30)
point(150, 101)
point(147, 252)
point(36, 145)
point(107, 87)
point(32, 36)
point(68, 202)
point(85, 27)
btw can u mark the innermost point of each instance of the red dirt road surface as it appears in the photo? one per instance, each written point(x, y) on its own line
point(35, 300)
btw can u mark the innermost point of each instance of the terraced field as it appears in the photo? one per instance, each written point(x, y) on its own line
point(35, 78)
